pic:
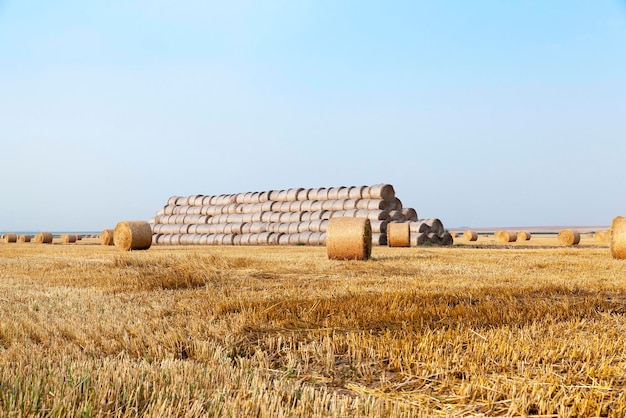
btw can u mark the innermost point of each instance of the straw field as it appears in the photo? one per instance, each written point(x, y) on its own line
point(466, 330)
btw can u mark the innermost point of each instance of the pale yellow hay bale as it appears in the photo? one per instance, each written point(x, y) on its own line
point(569, 237)
point(71, 238)
point(44, 238)
point(470, 235)
point(172, 200)
point(418, 238)
point(265, 217)
point(333, 193)
point(292, 194)
point(132, 235)
point(283, 239)
point(268, 206)
point(618, 238)
point(372, 204)
point(258, 227)
point(320, 193)
point(313, 216)
point(379, 227)
point(523, 236)
point(106, 236)
point(350, 213)
point(264, 197)
point(295, 217)
point(349, 239)
point(303, 195)
point(295, 206)
point(306, 205)
point(255, 217)
point(398, 234)
point(374, 215)
point(273, 195)
point(275, 217)
point(10, 238)
point(316, 205)
point(506, 236)
point(304, 226)
point(23, 238)
point(338, 205)
point(435, 225)
point(356, 192)
point(327, 205)
point(315, 238)
point(283, 207)
point(419, 226)
point(256, 197)
point(343, 193)
point(273, 238)
point(282, 197)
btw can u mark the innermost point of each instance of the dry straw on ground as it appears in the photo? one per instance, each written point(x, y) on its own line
point(349, 239)
point(133, 235)
point(470, 235)
point(106, 237)
point(44, 238)
point(569, 237)
point(10, 238)
point(618, 238)
point(398, 234)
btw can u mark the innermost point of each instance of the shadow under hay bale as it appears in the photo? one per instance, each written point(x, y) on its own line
point(349, 239)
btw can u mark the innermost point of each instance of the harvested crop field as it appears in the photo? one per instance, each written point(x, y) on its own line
point(474, 329)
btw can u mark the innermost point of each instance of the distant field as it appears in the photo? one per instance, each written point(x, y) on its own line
point(474, 329)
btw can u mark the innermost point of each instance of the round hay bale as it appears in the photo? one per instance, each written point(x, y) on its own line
point(435, 225)
point(396, 216)
point(305, 205)
point(379, 239)
point(523, 236)
point(418, 239)
point(283, 239)
point(24, 238)
point(293, 228)
point(372, 204)
point(295, 206)
point(379, 227)
point(409, 214)
point(506, 236)
point(316, 206)
point(618, 238)
point(470, 235)
point(447, 239)
point(305, 226)
point(433, 238)
point(71, 238)
point(569, 237)
point(132, 235)
point(258, 227)
point(292, 194)
point(380, 191)
point(356, 192)
point(10, 238)
point(172, 200)
point(267, 206)
point(333, 193)
point(106, 237)
point(315, 238)
point(313, 216)
point(303, 195)
point(44, 238)
point(327, 204)
point(320, 194)
point(273, 238)
point(339, 214)
point(398, 234)
point(349, 239)
point(282, 196)
point(338, 204)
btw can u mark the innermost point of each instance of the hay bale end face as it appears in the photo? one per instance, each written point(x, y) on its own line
point(569, 237)
point(398, 234)
point(523, 236)
point(506, 236)
point(25, 238)
point(44, 238)
point(106, 237)
point(349, 239)
point(132, 235)
point(68, 238)
point(618, 238)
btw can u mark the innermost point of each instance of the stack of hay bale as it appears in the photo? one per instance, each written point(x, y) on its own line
point(294, 216)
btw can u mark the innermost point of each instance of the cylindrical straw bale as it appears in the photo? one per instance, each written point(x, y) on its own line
point(282, 207)
point(380, 191)
point(523, 236)
point(44, 238)
point(333, 193)
point(470, 235)
point(228, 239)
point(283, 228)
point(349, 239)
point(379, 239)
point(409, 214)
point(435, 225)
point(283, 239)
point(617, 235)
point(418, 238)
point(372, 204)
point(313, 216)
point(293, 228)
point(327, 205)
point(132, 235)
point(256, 197)
point(237, 240)
point(196, 200)
point(262, 238)
point(24, 238)
point(349, 204)
point(264, 197)
point(350, 213)
point(275, 217)
point(315, 226)
point(303, 195)
point(305, 226)
point(172, 200)
point(292, 194)
point(268, 206)
point(282, 196)
point(326, 214)
point(419, 226)
point(506, 236)
point(319, 194)
point(255, 217)
point(266, 217)
point(398, 234)
point(182, 201)
point(106, 237)
point(375, 215)
point(434, 238)
point(71, 238)
point(395, 204)
point(338, 205)
point(339, 214)
point(569, 237)
point(600, 236)
point(315, 238)
point(380, 227)
point(273, 238)
point(273, 195)
point(295, 206)
point(285, 217)
point(245, 239)
point(258, 227)
point(343, 193)
point(10, 238)
point(316, 205)
point(447, 239)
point(396, 216)
point(356, 192)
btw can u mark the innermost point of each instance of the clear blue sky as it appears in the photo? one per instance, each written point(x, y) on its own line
point(480, 113)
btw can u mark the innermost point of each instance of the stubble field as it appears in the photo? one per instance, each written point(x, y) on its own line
point(470, 330)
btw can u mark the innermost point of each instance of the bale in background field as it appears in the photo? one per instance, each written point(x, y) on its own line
point(618, 238)
point(470, 235)
point(349, 239)
point(132, 235)
point(68, 238)
point(25, 238)
point(569, 237)
point(506, 236)
point(106, 237)
point(398, 234)
point(10, 238)
point(44, 238)
point(523, 236)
